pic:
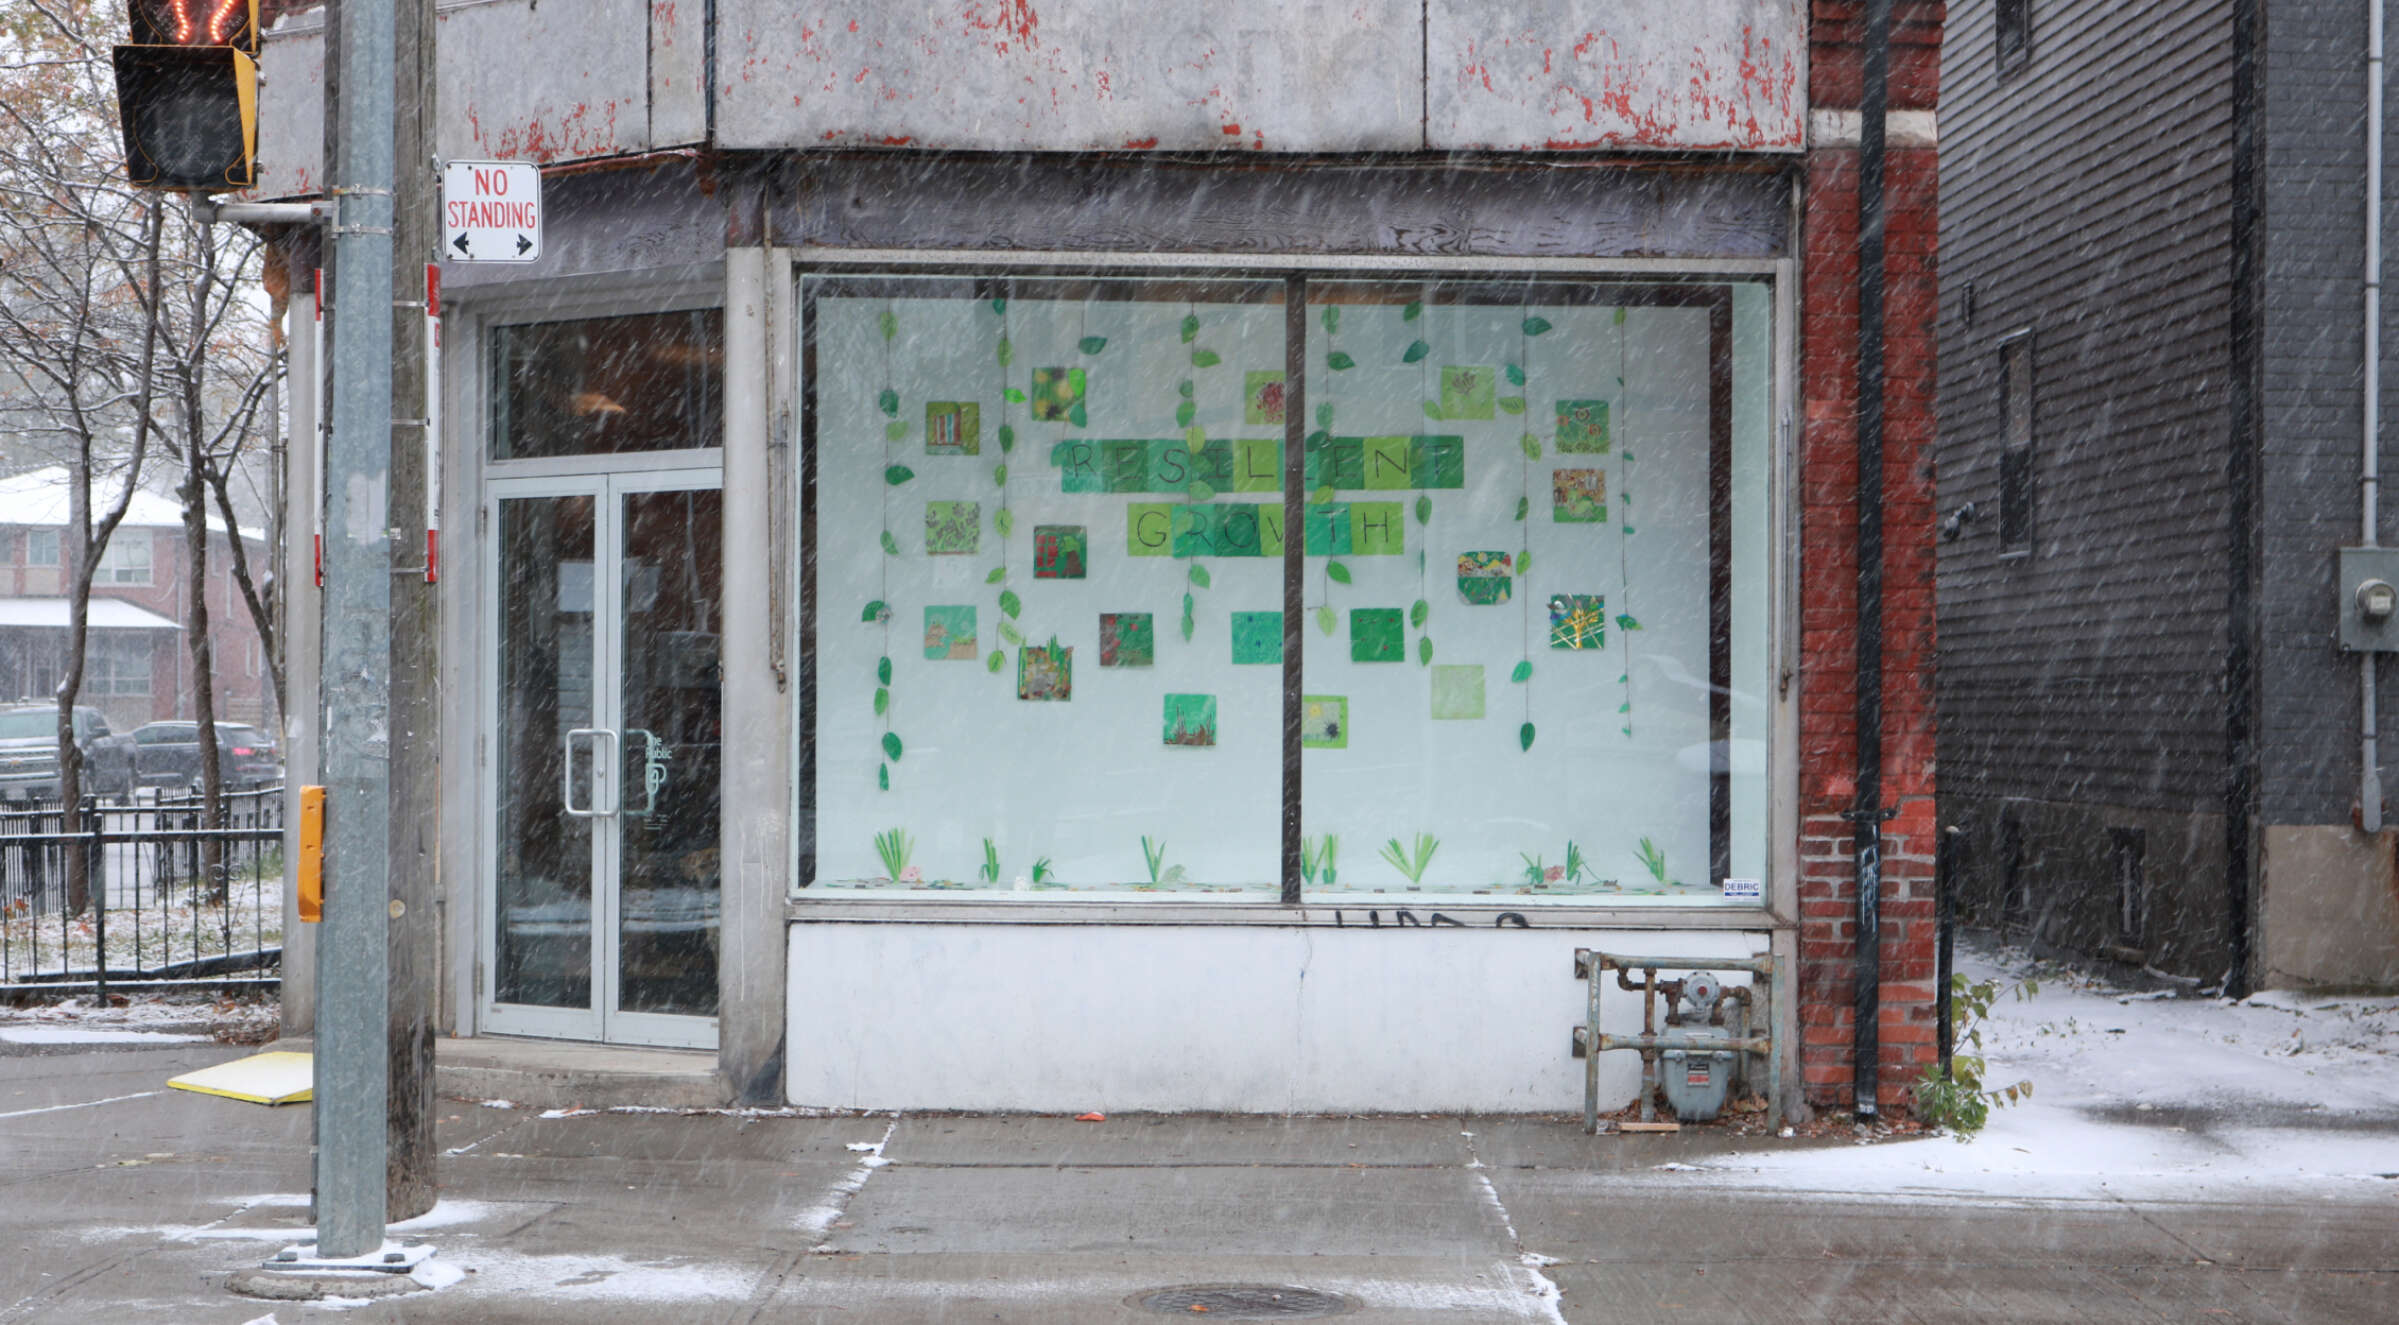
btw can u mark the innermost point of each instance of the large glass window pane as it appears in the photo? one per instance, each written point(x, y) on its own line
point(608, 385)
point(1549, 684)
point(546, 547)
point(1046, 583)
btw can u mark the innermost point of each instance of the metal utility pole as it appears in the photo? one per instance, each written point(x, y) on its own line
point(415, 834)
point(353, 957)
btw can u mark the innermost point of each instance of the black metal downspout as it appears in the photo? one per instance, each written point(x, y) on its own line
point(2240, 480)
point(1868, 816)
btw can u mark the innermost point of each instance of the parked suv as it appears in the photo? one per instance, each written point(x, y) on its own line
point(167, 754)
point(29, 749)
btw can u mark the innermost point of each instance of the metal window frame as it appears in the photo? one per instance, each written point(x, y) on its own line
point(2019, 340)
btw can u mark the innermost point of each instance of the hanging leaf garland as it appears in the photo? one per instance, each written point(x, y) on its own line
point(1519, 374)
point(1626, 623)
point(1003, 520)
point(878, 612)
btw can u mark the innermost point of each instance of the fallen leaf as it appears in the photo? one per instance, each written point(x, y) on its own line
point(1093, 1117)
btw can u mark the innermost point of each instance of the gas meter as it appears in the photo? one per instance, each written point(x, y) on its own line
point(1696, 1080)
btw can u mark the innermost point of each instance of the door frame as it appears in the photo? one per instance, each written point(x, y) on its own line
point(608, 481)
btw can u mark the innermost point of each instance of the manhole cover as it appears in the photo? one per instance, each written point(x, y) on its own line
point(1245, 1302)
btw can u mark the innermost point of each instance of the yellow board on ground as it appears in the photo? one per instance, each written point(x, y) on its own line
point(276, 1078)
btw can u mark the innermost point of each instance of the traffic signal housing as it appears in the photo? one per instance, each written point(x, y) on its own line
point(187, 94)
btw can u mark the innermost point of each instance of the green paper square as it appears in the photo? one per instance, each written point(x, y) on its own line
point(1583, 427)
point(1437, 462)
point(1060, 552)
point(1485, 578)
point(1045, 672)
point(1194, 529)
point(1578, 621)
point(1190, 721)
point(1386, 463)
point(1124, 466)
point(1329, 530)
point(1257, 637)
point(1335, 462)
point(1270, 531)
point(953, 528)
point(1078, 465)
point(1262, 398)
point(1149, 529)
point(1128, 639)
point(953, 427)
point(1056, 391)
point(1378, 634)
point(1258, 466)
point(1378, 528)
point(950, 633)
point(1579, 496)
point(1457, 691)
point(1324, 722)
point(1467, 392)
point(1237, 530)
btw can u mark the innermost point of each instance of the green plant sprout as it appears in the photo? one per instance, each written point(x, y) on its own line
point(1412, 864)
point(1041, 871)
point(894, 846)
point(1316, 856)
point(1154, 855)
point(1575, 864)
point(991, 862)
point(1535, 869)
point(1959, 1101)
point(1653, 859)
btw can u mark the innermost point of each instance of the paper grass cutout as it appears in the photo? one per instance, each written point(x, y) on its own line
point(953, 528)
point(1467, 392)
point(1578, 621)
point(1579, 496)
point(1257, 637)
point(1060, 551)
point(1583, 427)
point(1262, 398)
point(953, 427)
point(1128, 639)
point(1458, 691)
point(950, 633)
point(1056, 393)
point(1324, 722)
point(1045, 671)
point(1378, 634)
point(1485, 578)
point(1190, 720)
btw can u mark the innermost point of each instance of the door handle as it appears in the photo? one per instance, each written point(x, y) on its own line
point(599, 770)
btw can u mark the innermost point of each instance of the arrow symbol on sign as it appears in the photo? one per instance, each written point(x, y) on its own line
point(459, 244)
point(522, 244)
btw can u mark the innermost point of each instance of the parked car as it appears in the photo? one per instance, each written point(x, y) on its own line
point(167, 754)
point(29, 749)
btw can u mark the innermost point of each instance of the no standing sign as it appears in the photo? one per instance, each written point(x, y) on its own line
point(491, 211)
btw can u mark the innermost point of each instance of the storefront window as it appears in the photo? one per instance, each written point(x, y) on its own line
point(1046, 586)
point(607, 385)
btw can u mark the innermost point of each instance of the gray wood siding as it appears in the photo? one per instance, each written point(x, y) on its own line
point(2088, 199)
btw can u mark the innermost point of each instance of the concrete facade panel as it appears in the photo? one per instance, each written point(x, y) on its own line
point(577, 86)
point(1530, 75)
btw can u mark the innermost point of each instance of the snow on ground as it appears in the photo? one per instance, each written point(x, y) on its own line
point(2141, 1093)
point(155, 1017)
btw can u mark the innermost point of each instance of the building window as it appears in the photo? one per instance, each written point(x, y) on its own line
point(2016, 472)
point(117, 662)
point(2014, 36)
point(608, 385)
point(1047, 525)
point(126, 560)
point(41, 547)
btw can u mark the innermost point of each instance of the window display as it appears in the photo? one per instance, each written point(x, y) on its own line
point(1532, 645)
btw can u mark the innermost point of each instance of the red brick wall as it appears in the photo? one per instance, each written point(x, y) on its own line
point(1828, 537)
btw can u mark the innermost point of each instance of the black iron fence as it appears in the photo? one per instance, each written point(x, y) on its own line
point(158, 895)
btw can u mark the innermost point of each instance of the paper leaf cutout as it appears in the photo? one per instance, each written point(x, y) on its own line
point(1007, 438)
point(898, 474)
point(999, 475)
point(883, 671)
point(997, 660)
point(998, 573)
point(1624, 621)
point(1195, 438)
point(1185, 413)
point(1013, 394)
point(1524, 507)
point(889, 401)
point(1332, 319)
point(882, 700)
point(1007, 352)
point(1419, 613)
point(1076, 416)
point(1339, 361)
point(1424, 510)
point(895, 430)
point(1322, 496)
point(1011, 604)
point(1200, 491)
point(1620, 317)
point(1416, 350)
point(1531, 445)
point(1534, 326)
point(1424, 650)
point(1338, 572)
point(1412, 311)
point(999, 305)
point(1004, 520)
point(1205, 358)
point(890, 544)
point(1327, 619)
point(1432, 409)
point(891, 745)
point(1524, 562)
point(1011, 634)
point(1324, 415)
point(1515, 375)
point(1524, 735)
point(875, 612)
point(1092, 344)
point(891, 324)
point(1523, 672)
point(1183, 388)
point(1199, 575)
point(883, 776)
point(1190, 327)
point(1511, 404)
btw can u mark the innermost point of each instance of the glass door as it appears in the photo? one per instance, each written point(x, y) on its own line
point(602, 813)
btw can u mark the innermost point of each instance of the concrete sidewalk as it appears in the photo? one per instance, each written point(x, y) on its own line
point(123, 1201)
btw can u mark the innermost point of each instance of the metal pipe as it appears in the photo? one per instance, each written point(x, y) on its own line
point(208, 211)
point(1867, 817)
point(2369, 483)
point(353, 962)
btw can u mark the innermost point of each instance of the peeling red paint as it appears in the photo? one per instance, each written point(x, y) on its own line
point(1141, 144)
point(1232, 130)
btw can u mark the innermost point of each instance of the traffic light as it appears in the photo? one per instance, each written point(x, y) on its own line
point(187, 93)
